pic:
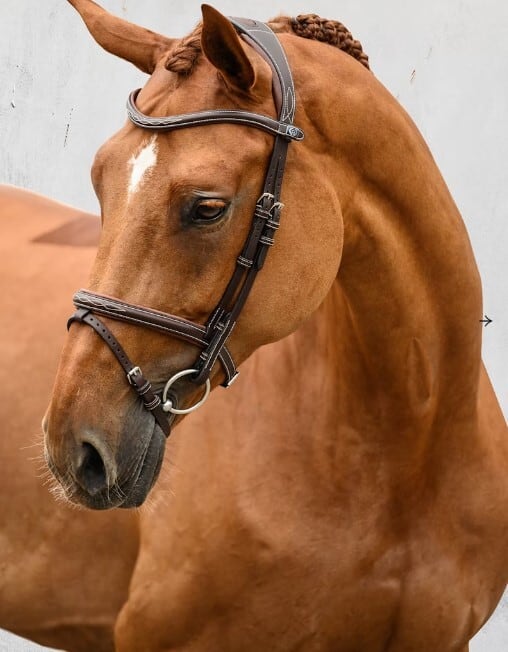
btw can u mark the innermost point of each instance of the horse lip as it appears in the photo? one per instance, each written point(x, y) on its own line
point(99, 502)
point(148, 472)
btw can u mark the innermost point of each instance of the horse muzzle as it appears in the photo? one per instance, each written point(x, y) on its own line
point(93, 475)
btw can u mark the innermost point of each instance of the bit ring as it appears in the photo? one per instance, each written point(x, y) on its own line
point(167, 404)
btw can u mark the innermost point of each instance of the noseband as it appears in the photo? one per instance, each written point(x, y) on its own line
point(211, 337)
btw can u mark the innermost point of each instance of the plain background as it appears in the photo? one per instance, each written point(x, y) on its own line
point(447, 62)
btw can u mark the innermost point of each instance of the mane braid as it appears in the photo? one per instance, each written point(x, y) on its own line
point(183, 58)
point(314, 27)
point(185, 55)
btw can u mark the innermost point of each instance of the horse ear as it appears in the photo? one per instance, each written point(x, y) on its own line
point(223, 48)
point(140, 46)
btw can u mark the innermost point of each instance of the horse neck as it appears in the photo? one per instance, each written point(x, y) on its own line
point(394, 351)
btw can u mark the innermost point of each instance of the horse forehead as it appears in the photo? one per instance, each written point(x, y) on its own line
point(168, 93)
point(141, 164)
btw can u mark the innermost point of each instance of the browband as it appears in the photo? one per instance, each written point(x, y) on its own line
point(201, 118)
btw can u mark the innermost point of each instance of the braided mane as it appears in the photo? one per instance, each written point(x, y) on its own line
point(314, 27)
point(185, 55)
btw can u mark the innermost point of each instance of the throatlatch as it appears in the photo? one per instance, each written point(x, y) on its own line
point(212, 337)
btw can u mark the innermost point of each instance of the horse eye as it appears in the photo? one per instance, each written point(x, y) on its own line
point(208, 210)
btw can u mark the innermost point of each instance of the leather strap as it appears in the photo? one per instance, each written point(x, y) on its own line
point(135, 377)
point(266, 43)
point(267, 212)
point(202, 118)
point(162, 322)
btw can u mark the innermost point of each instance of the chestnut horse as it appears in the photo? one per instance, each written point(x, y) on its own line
point(350, 491)
point(59, 583)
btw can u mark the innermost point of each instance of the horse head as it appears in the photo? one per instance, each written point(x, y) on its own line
point(177, 207)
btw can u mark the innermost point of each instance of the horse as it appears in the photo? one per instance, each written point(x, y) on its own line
point(59, 584)
point(349, 491)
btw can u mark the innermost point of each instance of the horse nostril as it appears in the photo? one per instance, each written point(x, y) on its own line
point(90, 471)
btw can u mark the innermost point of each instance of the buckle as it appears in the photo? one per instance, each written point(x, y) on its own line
point(135, 371)
point(265, 201)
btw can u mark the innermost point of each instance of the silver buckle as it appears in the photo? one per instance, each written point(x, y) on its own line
point(135, 371)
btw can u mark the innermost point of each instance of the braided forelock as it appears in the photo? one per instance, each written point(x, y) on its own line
point(186, 54)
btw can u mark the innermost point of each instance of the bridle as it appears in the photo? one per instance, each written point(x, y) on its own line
point(211, 337)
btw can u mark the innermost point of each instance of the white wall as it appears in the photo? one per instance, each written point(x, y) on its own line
point(447, 62)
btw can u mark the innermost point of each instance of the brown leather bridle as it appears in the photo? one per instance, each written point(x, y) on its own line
point(211, 337)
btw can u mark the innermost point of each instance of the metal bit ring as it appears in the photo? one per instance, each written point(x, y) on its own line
point(167, 404)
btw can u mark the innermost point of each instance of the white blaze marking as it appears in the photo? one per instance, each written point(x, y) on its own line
point(141, 163)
